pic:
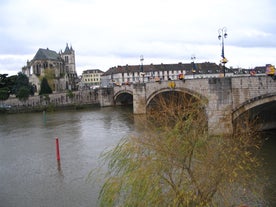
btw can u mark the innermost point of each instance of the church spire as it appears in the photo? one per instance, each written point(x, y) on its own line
point(67, 50)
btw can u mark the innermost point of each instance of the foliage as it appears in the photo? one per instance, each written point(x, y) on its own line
point(49, 74)
point(21, 80)
point(11, 81)
point(176, 162)
point(70, 94)
point(4, 93)
point(23, 93)
point(17, 84)
point(6, 85)
point(22, 88)
point(3, 80)
point(45, 88)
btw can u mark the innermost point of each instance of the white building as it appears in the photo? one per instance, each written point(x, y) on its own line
point(129, 74)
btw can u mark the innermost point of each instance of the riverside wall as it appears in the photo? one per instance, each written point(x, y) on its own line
point(55, 101)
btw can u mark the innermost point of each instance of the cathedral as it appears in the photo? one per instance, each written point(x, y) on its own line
point(62, 65)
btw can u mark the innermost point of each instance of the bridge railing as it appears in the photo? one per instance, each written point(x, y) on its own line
point(147, 78)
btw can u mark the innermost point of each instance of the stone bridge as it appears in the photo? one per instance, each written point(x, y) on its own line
point(227, 98)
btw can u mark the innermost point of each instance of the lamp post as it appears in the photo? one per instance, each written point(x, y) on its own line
point(222, 35)
point(193, 65)
point(141, 67)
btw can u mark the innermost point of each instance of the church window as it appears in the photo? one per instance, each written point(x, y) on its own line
point(66, 59)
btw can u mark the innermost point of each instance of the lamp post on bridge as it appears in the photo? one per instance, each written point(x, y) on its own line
point(142, 67)
point(222, 35)
point(193, 65)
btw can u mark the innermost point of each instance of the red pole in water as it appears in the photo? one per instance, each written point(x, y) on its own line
point(57, 149)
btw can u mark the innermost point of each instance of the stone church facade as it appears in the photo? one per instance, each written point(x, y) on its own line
point(62, 65)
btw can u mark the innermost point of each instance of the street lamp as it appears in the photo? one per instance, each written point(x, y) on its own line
point(193, 65)
point(142, 67)
point(222, 35)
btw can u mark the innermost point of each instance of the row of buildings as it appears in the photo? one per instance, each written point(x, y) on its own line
point(128, 74)
point(62, 67)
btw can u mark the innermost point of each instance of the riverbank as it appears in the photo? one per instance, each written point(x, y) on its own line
point(53, 102)
point(47, 108)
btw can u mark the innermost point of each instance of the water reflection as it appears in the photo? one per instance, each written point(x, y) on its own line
point(59, 168)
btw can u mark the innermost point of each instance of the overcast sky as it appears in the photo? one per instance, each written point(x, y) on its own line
point(107, 33)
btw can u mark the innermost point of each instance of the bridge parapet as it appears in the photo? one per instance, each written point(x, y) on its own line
point(249, 88)
point(123, 88)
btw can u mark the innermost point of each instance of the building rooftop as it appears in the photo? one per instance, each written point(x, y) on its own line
point(205, 67)
point(46, 54)
point(92, 71)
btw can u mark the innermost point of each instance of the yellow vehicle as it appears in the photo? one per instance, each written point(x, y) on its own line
point(270, 70)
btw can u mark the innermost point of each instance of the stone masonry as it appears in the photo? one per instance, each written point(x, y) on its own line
point(227, 98)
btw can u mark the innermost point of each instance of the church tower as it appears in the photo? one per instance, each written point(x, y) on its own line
point(69, 60)
point(68, 57)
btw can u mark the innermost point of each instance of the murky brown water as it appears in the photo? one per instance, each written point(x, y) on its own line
point(29, 173)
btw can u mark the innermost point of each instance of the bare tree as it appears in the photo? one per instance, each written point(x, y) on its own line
point(175, 161)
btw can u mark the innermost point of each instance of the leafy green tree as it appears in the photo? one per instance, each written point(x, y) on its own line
point(4, 90)
point(11, 81)
point(22, 88)
point(3, 80)
point(4, 93)
point(175, 161)
point(23, 93)
point(22, 80)
point(6, 86)
point(45, 88)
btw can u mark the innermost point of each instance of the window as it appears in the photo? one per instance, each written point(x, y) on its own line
point(66, 59)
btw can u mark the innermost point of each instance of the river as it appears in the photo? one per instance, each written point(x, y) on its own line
point(30, 174)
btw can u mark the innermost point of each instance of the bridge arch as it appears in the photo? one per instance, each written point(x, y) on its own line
point(181, 90)
point(254, 102)
point(123, 97)
point(262, 108)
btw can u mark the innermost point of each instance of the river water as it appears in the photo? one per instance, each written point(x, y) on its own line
point(30, 174)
